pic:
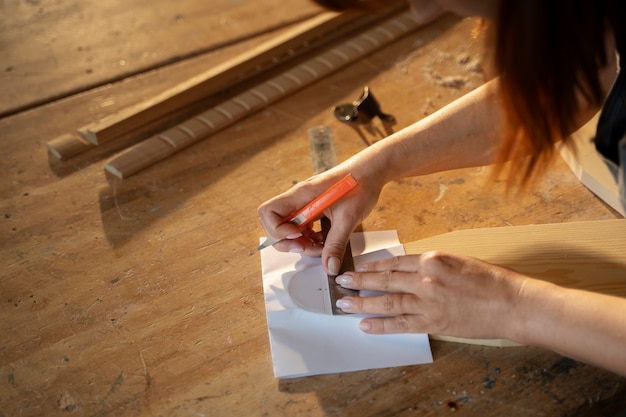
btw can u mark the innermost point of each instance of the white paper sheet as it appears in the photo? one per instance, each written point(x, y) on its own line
point(306, 339)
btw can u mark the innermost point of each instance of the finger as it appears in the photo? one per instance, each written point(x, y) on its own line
point(335, 246)
point(405, 263)
point(342, 224)
point(388, 304)
point(273, 212)
point(274, 225)
point(309, 244)
point(387, 281)
point(391, 325)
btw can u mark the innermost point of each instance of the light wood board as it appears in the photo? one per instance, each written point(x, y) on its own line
point(587, 255)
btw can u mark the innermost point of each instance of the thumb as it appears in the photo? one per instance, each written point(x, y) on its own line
point(336, 240)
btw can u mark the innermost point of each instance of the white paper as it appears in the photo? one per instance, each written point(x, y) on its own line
point(305, 339)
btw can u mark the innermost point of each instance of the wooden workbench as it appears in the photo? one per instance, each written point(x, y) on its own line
point(143, 297)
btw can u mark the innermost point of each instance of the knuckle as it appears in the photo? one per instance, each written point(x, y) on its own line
point(406, 303)
point(431, 257)
point(402, 323)
point(388, 303)
point(385, 280)
point(397, 324)
point(434, 261)
point(335, 246)
point(395, 263)
point(398, 303)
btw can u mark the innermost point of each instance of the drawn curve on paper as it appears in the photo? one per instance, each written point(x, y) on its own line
point(308, 290)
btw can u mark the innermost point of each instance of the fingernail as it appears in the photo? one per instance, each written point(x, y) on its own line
point(334, 265)
point(294, 236)
point(344, 304)
point(362, 268)
point(296, 250)
point(344, 280)
point(365, 326)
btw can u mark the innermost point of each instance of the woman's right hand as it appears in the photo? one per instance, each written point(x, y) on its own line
point(344, 215)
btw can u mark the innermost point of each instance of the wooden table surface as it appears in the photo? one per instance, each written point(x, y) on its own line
point(143, 297)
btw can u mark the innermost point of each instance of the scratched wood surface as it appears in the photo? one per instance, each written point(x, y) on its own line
point(50, 49)
point(143, 297)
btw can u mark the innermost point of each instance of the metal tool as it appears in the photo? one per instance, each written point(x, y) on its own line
point(336, 291)
point(361, 112)
point(324, 158)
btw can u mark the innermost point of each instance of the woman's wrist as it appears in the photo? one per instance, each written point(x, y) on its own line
point(536, 313)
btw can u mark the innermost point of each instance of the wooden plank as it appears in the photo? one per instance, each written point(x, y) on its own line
point(191, 131)
point(312, 33)
point(583, 255)
point(566, 254)
point(68, 145)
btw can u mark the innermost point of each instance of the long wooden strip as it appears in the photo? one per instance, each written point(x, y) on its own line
point(68, 145)
point(584, 255)
point(319, 30)
point(153, 150)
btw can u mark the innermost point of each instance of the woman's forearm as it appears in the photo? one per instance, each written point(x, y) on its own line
point(465, 133)
point(587, 326)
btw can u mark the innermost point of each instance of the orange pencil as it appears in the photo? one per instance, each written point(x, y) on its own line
point(315, 208)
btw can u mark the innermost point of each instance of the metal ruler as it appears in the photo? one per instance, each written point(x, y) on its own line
point(324, 158)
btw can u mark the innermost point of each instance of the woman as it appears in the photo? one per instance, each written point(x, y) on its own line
point(556, 62)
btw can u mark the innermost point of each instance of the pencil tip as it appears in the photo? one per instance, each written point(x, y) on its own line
point(268, 242)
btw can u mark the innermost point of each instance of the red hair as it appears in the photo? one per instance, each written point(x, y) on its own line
point(548, 54)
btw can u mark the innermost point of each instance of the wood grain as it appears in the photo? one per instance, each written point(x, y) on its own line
point(583, 255)
point(588, 256)
point(56, 49)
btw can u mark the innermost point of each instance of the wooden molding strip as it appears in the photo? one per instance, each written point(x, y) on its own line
point(588, 255)
point(67, 145)
point(140, 118)
point(312, 33)
point(194, 129)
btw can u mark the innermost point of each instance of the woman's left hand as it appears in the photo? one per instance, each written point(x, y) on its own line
point(436, 293)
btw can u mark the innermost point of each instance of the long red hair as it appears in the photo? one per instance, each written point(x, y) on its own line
point(548, 55)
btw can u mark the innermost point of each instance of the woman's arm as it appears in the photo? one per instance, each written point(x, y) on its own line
point(464, 133)
point(587, 326)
